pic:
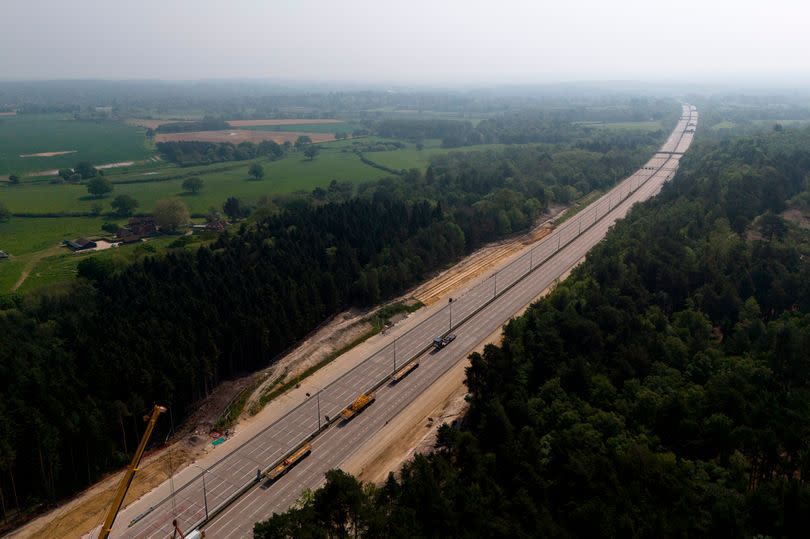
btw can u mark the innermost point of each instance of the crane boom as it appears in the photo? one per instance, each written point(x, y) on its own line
point(126, 481)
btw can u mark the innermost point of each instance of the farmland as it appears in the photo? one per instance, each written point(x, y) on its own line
point(331, 128)
point(410, 157)
point(34, 241)
point(97, 141)
point(236, 136)
point(625, 126)
point(292, 173)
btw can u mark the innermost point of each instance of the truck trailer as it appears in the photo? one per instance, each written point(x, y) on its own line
point(359, 404)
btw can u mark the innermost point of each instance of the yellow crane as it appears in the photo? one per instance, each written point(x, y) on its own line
point(126, 481)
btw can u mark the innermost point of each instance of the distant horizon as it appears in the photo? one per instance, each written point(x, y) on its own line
point(452, 42)
point(748, 81)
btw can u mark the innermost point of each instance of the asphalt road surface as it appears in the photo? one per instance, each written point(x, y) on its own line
point(478, 312)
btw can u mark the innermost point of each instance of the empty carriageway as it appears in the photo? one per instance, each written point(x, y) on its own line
point(473, 315)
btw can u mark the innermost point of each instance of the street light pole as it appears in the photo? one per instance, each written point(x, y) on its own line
point(205, 493)
point(318, 400)
point(451, 313)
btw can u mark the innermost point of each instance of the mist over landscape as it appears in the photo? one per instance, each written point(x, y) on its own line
point(456, 269)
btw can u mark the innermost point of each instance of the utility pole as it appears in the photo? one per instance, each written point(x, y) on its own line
point(450, 301)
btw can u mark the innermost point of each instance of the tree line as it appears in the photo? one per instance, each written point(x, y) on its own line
point(520, 127)
point(188, 153)
point(662, 390)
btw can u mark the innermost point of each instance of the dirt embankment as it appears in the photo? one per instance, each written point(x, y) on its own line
point(482, 260)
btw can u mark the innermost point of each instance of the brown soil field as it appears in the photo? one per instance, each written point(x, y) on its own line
point(251, 123)
point(46, 154)
point(12, 113)
point(242, 135)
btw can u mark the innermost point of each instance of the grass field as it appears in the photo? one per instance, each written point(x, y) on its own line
point(99, 142)
point(34, 242)
point(31, 240)
point(292, 173)
point(410, 157)
point(625, 126)
point(723, 125)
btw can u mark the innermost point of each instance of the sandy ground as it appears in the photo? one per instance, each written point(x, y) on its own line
point(337, 333)
point(251, 123)
point(482, 261)
point(242, 135)
point(47, 154)
point(192, 444)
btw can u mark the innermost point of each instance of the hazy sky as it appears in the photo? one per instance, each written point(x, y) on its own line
point(408, 41)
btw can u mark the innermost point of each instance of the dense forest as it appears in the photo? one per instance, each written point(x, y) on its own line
point(78, 369)
point(663, 390)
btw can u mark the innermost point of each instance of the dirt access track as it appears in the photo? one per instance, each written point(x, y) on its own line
point(241, 135)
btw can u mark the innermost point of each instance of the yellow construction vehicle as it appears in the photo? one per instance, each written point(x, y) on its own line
point(126, 481)
point(357, 406)
point(289, 462)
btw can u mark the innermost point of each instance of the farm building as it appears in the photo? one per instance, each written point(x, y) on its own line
point(3, 255)
point(137, 228)
point(80, 244)
point(142, 226)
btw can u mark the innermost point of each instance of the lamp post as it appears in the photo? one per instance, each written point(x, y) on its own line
point(205, 493)
point(318, 400)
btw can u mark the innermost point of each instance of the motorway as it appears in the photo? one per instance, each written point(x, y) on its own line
point(230, 484)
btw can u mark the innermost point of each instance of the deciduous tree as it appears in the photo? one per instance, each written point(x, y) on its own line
point(170, 214)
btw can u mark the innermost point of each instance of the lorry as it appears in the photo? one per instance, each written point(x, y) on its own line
point(289, 462)
point(359, 404)
point(404, 371)
point(441, 342)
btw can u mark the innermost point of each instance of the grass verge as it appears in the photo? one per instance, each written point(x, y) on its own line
point(378, 320)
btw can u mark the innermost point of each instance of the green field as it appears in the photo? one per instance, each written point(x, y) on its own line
point(35, 242)
point(723, 125)
point(30, 240)
point(625, 126)
point(343, 127)
point(99, 142)
point(410, 157)
point(292, 173)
